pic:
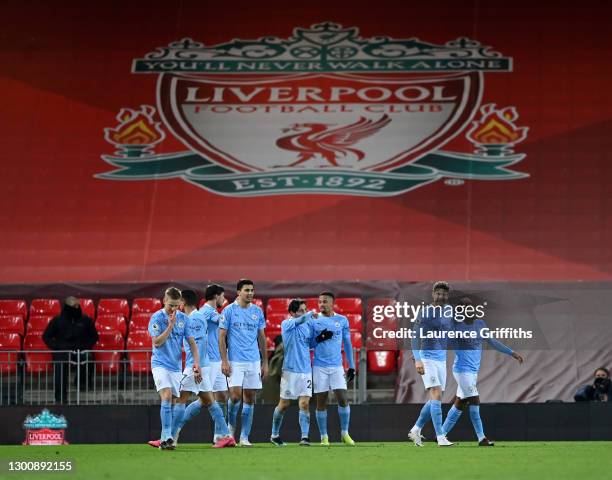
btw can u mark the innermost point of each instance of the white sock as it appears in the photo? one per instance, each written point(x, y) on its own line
point(441, 437)
point(416, 430)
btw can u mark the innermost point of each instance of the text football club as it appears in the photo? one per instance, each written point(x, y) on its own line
point(322, 112)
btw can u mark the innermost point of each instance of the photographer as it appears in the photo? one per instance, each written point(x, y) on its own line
point(600, 391)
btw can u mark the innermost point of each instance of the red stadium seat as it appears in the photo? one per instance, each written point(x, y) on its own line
point(45, 306)
point(111, 340)
point(88, 307)
point(274, 320)
point(277, 305)
point(375, 330)
point(14, 307)
point(140, 322)
point(387, 323)
point(270, 344)
point(357, 343)
point(312, 303)
point(355, 323)
point(280, 305)
point(272, 334)
point(139, 362)
point(12, 324)
point(114, 305)
point(146, 305)
point(106, 355)
point(38, 323)
point(348, 305)
point(8, 361)
point(137, 338)
point(225, 304)
point(377, 302)
point(381, 361)
point(111, 322)
point(37, 362)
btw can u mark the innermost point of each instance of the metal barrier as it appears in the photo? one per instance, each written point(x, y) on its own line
point(94, 377)
point(82, 377)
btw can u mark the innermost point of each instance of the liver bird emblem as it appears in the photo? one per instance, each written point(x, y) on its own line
point(329, 141)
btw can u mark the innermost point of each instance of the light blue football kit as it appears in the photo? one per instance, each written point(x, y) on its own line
point(296, 381)
point(166, 363)
point(243, 326)
point(436, 322)
point(468, 354)
point(328, 371)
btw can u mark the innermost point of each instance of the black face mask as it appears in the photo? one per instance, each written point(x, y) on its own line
point(72, 312)
point(602, 384)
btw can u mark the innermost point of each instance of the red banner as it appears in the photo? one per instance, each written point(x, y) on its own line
point(399, 142)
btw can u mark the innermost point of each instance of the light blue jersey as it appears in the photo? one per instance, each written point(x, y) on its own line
point(242, 325)
point(297, 337)
point(432, 322)
point(212, 325)
point(329, 353)
point(197, 326)
point(169, 355)
point(468, 351)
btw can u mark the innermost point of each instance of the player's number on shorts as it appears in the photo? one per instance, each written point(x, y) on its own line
point(308, 383)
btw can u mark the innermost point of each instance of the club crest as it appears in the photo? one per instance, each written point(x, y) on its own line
point(324, 111)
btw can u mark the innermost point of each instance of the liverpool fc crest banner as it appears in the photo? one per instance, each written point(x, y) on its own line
point(324, 111)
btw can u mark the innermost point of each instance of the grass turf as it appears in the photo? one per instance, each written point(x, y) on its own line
point(380, 461)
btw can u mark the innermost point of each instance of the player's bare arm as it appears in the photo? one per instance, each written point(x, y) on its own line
point(225, 365)
point(261, 340)
point(196, 359)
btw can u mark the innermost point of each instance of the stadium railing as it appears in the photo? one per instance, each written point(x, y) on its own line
point(97, 377)
point(120, 377)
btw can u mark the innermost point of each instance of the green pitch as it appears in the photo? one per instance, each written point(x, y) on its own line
point(379, 461)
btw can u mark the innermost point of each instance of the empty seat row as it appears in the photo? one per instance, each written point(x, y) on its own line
point(341, 305)
point(106, 306)
point(116, 322)
point(41, 307)
point(52, 307)
point(112, 319)
point(108, 353)
point(274, 320)
point(12, 312)
point(108, 322)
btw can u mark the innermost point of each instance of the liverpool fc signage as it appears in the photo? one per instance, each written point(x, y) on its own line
point(324, 111)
